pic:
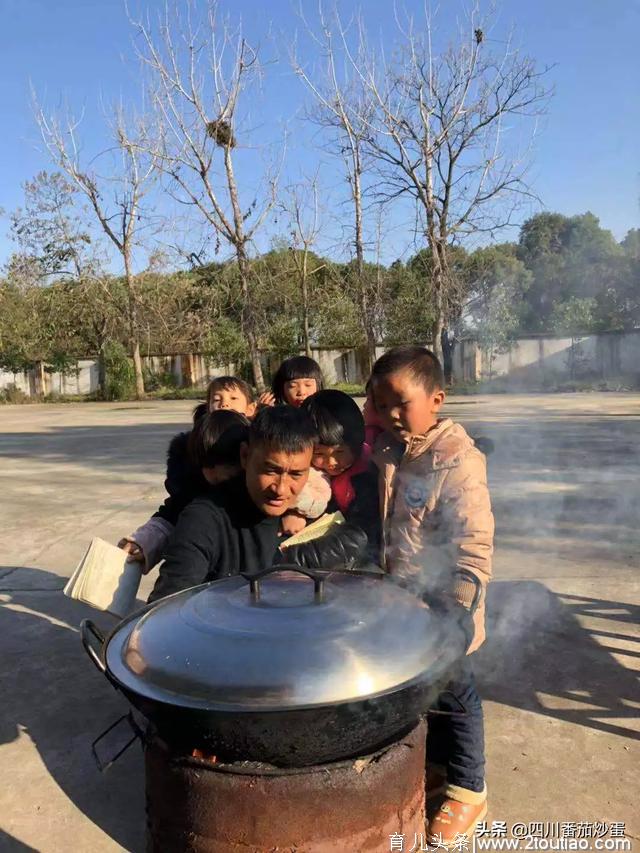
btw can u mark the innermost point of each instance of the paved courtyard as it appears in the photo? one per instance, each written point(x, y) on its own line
point(559, 672)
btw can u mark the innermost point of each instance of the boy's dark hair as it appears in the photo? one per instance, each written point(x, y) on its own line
point(419, 362)
point(216, 439)
point(297, 367)
point(337, 419)
point(199, 412)
point(283, 428)
point(228, 383)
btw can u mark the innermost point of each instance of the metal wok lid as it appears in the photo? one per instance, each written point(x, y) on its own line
point(285, 639)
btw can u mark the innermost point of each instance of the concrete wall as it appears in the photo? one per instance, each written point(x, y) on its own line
point(338, 365)
point(529, 363)
point(535, 361)
point(186, 370)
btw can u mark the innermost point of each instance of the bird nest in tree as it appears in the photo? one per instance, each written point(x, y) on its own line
point(221, 133)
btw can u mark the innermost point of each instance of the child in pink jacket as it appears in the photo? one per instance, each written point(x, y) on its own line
point(437, 537)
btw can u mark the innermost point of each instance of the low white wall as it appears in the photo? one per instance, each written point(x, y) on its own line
point(536, 360)
point(192, 369)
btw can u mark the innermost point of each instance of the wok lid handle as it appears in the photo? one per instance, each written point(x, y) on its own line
point(254, 581)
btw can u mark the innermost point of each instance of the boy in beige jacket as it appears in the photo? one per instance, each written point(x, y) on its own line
point(437, 536)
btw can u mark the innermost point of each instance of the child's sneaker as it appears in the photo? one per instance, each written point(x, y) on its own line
point(457, 816)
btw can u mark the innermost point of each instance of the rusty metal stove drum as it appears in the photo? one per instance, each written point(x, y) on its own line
point(289, 667)
point(352, 806)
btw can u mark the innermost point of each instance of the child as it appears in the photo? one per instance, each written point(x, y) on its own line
point(340, 452)
point(296, 379)
point(213, 455)
point(438, 537)
point(341, 455)
point(229, 392)
point(182, 476)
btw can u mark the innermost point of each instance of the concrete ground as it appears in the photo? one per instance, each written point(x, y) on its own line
point(559, 673)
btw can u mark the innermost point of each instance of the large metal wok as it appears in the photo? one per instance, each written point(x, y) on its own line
point(289, 667)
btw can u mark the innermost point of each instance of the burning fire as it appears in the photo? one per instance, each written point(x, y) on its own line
point(204, 756)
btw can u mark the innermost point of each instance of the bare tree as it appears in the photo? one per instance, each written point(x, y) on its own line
point(49, 230)
point(302, 206)
point(115, 196)
point(344, 110)
point(200, 71)
point(442, 134)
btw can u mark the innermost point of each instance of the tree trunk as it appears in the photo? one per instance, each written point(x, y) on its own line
point(40, 379)
point(137, 370)
point(102, 372)
point(305, 332)
point(133, 328)
point(256, 364)
point(305, 308)
point(363, 296)
point(438, 326)
point(189, 375)
point(371, 344)
point(439, 283)
point(248, 321)
point(438, 310)
point(448, 346)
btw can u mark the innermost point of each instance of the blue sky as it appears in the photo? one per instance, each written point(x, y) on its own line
point(587, 154)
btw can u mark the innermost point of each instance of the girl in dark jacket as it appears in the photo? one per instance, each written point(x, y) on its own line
point(184, 477)
point(207, 454)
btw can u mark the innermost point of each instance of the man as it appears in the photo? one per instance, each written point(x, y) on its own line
point(235, 527)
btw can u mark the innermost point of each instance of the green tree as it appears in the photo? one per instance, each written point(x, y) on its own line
point(568, 257)
point(497, 282)
point(574, 317)
point(408, 319)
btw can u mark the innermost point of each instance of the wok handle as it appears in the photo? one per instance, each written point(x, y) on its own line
point(254, 580)
point(89, 633)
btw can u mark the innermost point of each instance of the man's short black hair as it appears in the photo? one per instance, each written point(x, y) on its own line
point(297, 367)
point(421, 364)
point(283, 428)
point(337, 419)
point(228, 383)
point(216, 439)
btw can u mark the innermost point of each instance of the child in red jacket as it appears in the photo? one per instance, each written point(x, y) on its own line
point(341, 451)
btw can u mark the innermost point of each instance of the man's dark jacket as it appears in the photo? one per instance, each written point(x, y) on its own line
point(222, 533)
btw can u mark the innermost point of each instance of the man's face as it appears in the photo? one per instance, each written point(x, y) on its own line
point(274, 478)
point(232, 399)
point(404, 406)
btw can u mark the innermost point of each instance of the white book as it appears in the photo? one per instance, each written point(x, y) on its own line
point(317, 528)
point(105, 580)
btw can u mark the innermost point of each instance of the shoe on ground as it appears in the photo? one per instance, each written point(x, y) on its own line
point(459, 812)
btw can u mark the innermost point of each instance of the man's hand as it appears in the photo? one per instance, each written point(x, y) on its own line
point(290, 524)
point(135, 552)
